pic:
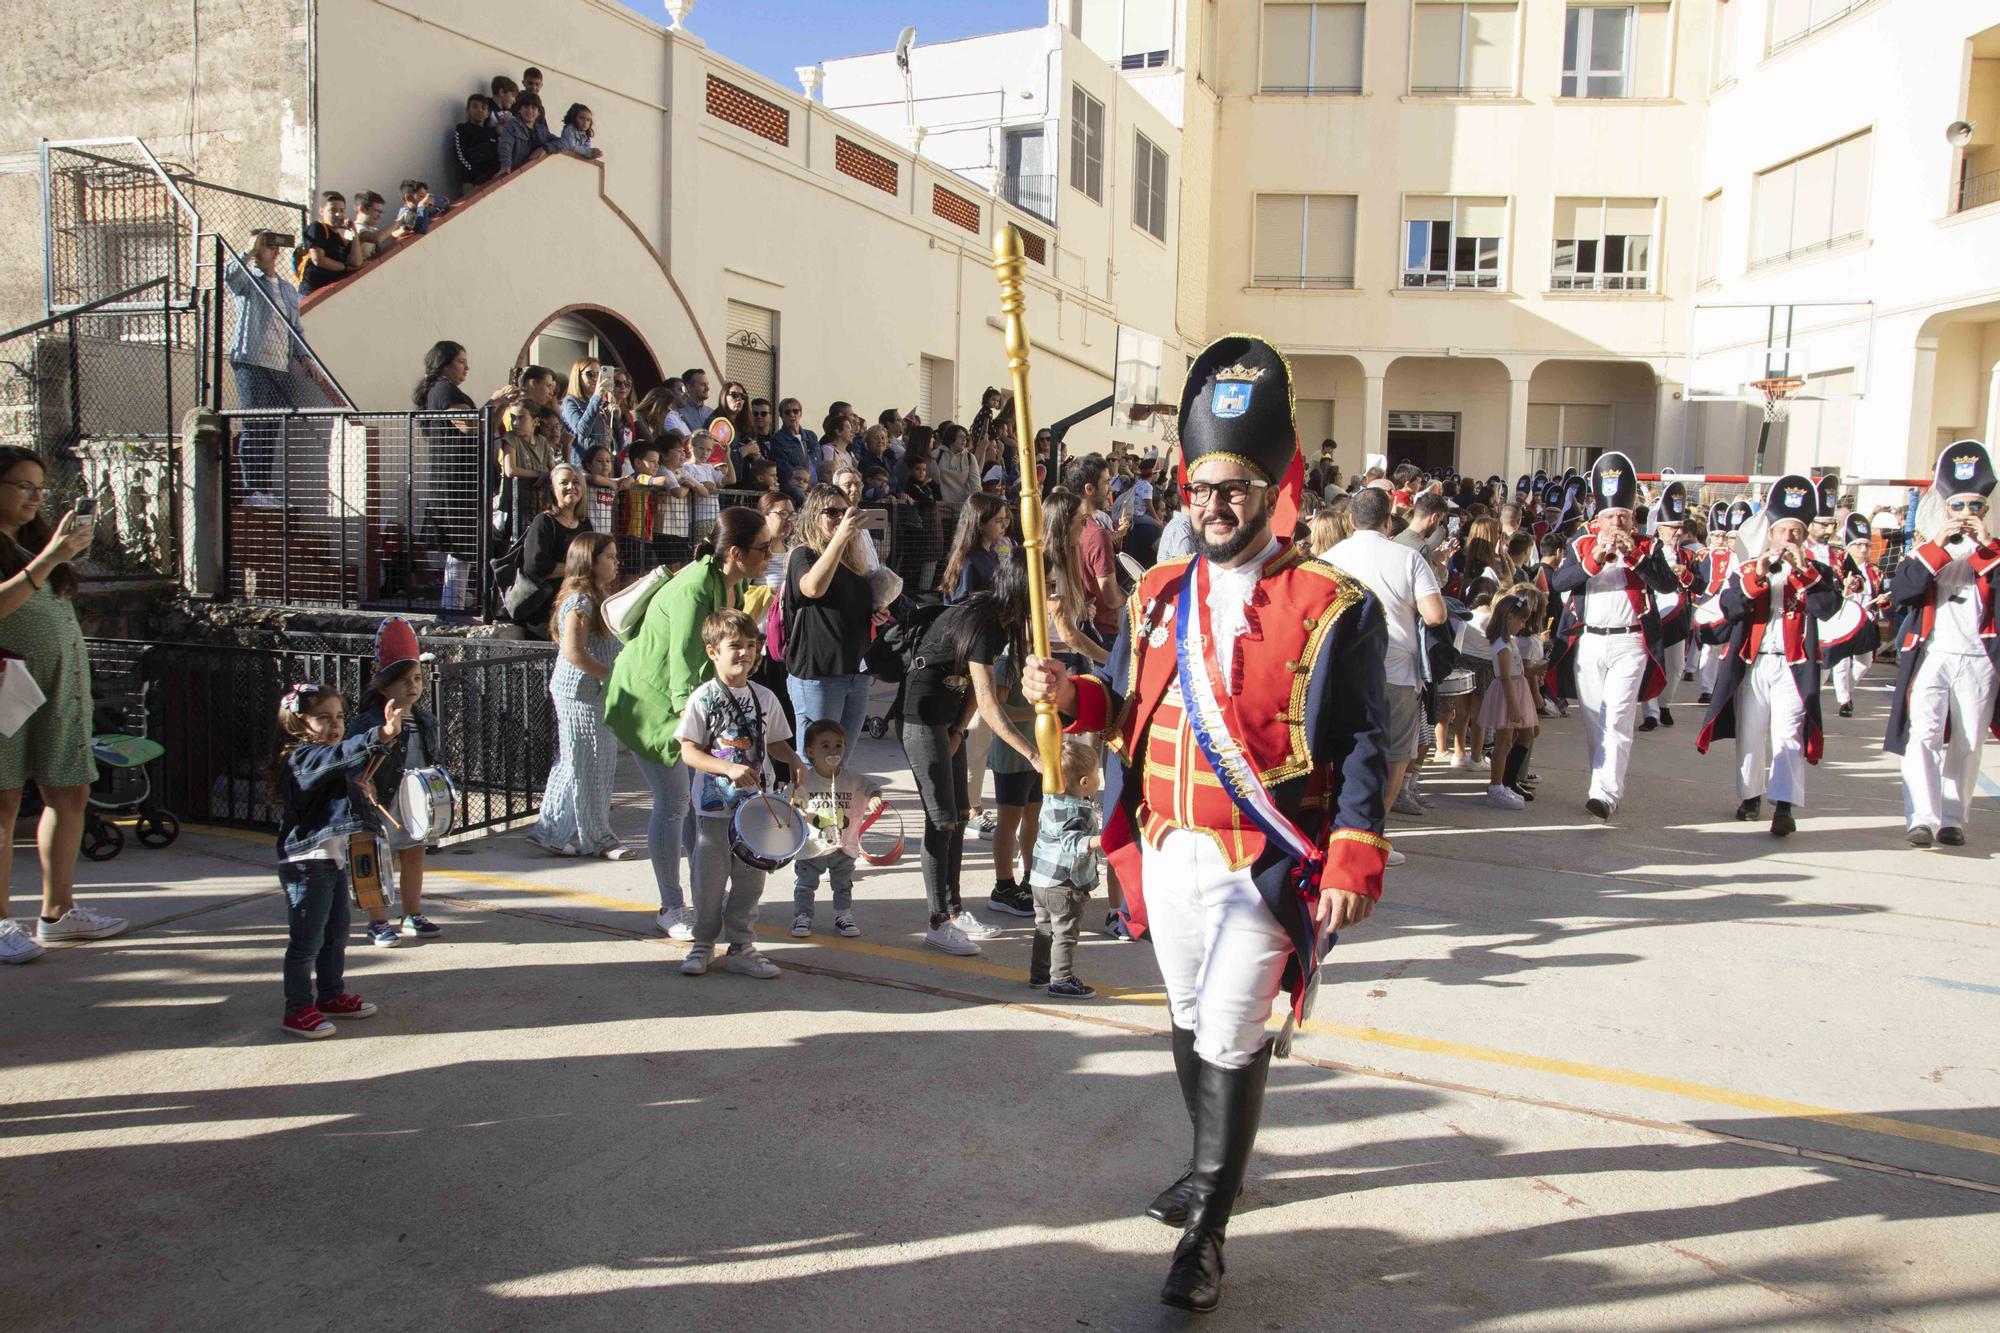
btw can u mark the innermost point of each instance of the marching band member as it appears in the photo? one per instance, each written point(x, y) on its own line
point(1675, 609)
point(1607, 650)
point(1767, 695)
point(1821, 531)
point(1244, 701)
point(1948, 671)
point(1711, 571)
point(1849, 642)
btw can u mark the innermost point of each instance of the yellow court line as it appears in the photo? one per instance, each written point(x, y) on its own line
point(1604, 1074)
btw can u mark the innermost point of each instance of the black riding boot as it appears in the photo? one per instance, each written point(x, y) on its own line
point(1171, 1204)
point(1038, 959)
point(1228, 1105)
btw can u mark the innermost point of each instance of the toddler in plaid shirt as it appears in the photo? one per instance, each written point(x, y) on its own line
point(1063, 870)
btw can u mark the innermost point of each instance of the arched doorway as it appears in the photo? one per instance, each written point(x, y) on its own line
point(587, 330)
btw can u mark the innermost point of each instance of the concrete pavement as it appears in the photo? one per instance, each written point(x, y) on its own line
point(1669, 1074)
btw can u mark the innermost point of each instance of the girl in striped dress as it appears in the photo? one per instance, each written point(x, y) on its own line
point(576, 805)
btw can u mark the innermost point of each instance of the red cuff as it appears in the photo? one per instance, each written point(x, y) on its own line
point(1934, 556)
point(1985, 557)
point(1586, 554)
point(1093, 705)
point(1755, 584)
point(1354, 862)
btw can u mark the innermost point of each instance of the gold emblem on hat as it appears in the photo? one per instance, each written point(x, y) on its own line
point(1241, 372)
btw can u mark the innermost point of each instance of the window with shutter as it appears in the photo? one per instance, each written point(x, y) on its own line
point(1603, 245)
point(750, 349)
point(1811, 204)
point(1312, 49)
point(1303, 241)
point(1086, 144)
point(1463, 50)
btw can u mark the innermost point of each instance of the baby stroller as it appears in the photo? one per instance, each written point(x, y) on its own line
point(124, 786)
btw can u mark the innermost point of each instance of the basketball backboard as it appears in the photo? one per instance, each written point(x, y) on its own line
point(1827, 344)
point(1138, 380)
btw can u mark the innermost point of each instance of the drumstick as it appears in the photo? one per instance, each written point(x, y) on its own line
point(368, 786)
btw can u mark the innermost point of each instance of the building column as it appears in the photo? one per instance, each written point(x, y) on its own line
point(1374, 438)
point(1923, 392)
point(1670, 426)
point(1514, 461)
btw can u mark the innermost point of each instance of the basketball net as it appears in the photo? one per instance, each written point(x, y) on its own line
point(1165, 416)
point(1778, 392)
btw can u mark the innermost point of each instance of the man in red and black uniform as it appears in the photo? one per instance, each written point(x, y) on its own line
point(1675, 609)
point(1848, 641)
point(1767, 696)
point(1245, 709)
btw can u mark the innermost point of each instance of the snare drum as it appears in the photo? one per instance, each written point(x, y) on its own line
point(427, 803)
point(881, 852)
point(1455, 683)
point(766, 832)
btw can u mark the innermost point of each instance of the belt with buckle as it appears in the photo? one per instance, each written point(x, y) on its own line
point(1614, 629)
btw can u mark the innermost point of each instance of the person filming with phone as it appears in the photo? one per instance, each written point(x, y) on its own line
point(40, 636)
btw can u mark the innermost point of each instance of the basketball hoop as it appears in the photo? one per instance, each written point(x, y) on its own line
point(1778, 392)
point(1166, 414)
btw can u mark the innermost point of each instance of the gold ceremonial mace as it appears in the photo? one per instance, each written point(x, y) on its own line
point(1008, 264)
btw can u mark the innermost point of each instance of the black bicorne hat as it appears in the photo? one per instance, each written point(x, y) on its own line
point(1791, 497)
point(1965, 468)
point(1614, 483)
point(1739, 514)
point(1673, 505)
point(1828, 487)
point(1718, 516)
point(1238, 403)
point(1857, 530)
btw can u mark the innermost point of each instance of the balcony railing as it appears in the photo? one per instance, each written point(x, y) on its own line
point(1806, 251)
point(1978, 191)
point(1310, 90)
point(1034, 193)
point(1460, 90)
point(1601, 282)
point(1430, 280)
point(1319, 281)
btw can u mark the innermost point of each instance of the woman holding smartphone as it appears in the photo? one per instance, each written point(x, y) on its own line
point(40, 635)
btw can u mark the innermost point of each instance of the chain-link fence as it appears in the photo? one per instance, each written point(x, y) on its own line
point(214, 707)
point(113, 220)
point(359, 509)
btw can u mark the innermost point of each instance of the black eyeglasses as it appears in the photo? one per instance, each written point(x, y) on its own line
point(1228, 492)
point(836, 514)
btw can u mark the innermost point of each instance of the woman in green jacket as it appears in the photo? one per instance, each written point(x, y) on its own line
point(657, 671)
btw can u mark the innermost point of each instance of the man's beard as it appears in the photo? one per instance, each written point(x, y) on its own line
point(1248, 534)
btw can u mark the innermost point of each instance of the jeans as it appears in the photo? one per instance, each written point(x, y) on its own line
point(316, 892)
point(939, 769)
point(1059, 915)
point(257, 451)
point(664, 829)
point(839, 868)
point(726, 889)
point(842, 698)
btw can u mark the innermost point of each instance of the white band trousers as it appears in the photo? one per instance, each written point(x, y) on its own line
point(1770, 721)
point(1222, 954)
point(1610, 669)
point(1940, 776)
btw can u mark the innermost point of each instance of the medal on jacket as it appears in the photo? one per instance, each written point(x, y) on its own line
point(1160, 617)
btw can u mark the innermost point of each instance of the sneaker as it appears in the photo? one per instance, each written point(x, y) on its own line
point(347, 1006)
point(1525, 793)
point(1117, 927)
point(1396, 858)
point(1424, 799)
point(844, 923)
point(745, 959)
point(983, 825)
point(1071, 989)
point(1013, 899)
point(946, 937)
point(1500, 798)
point(1455, 761)
point(418, 927)
point(309, 1023)
point(676, 923)
point(1549, 709)
point(696, 962)
point(384, 936)
point(973, 928)
point(802, 926)
point(16, 945)
point(79, 923)
point(1406, 805)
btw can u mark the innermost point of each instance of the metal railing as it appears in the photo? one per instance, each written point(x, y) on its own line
point(379, 510)
point(214, 708)
point(1601, 282)
point(1977, 191)
point(1036, 193)
point(112, 217)
point(230, 295)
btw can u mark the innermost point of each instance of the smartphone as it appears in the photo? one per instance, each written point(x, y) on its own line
point(87, 508)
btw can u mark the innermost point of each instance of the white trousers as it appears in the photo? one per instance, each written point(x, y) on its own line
point(1845, 672)
point(1770, 721)
point(1711, 662)
point(1674, 657)
point(1610, 668)
point(1939, 777)
point(1221, 952)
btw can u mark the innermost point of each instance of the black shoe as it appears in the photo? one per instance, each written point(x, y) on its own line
point(1782, 823)
point(1171, 1204)
point(1847, 710)
point(1750, 809)
point(1013, 899)
point(1525, 793)
point(1650, 724)
point(1069, 988)
point(1951, 837)
point(1705, 697)
point(1228, 1105)
point(1919, 836)
point(1687, 677)
point(1038, 959)
point(1666, 716)
point(1116, 927)
point(1598, 808)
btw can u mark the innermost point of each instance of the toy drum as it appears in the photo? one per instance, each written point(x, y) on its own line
point(1455, 683)
point(1670, 604)
point(878, 846)
point(766, 833)
point(428, 803)
point(1708, 614)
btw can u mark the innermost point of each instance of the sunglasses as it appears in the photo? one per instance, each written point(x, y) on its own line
point(1966, 506)
point(836, 514)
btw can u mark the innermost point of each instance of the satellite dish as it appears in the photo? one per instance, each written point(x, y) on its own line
point(1959, 133)
point(904, 41)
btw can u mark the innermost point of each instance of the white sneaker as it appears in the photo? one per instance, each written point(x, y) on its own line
point(1456, 761)
point(1406, 805)
point(948, 938)
point(744, 958)
point(676, 923)
point(1396, 858)
point(802, 926)
point(983, 825)
point(16, 945)
point(696, 962)
point(79, 923)
point(1500, 798)
point(844, 923)
point(973, 928)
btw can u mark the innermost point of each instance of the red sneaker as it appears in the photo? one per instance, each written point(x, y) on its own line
point(347, 1006)
point(309, 1023)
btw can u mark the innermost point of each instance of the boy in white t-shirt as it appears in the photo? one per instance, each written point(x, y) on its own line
point(731, 730)
point(832, 800)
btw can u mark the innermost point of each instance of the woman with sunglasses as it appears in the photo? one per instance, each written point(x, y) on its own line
point(828, 611)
